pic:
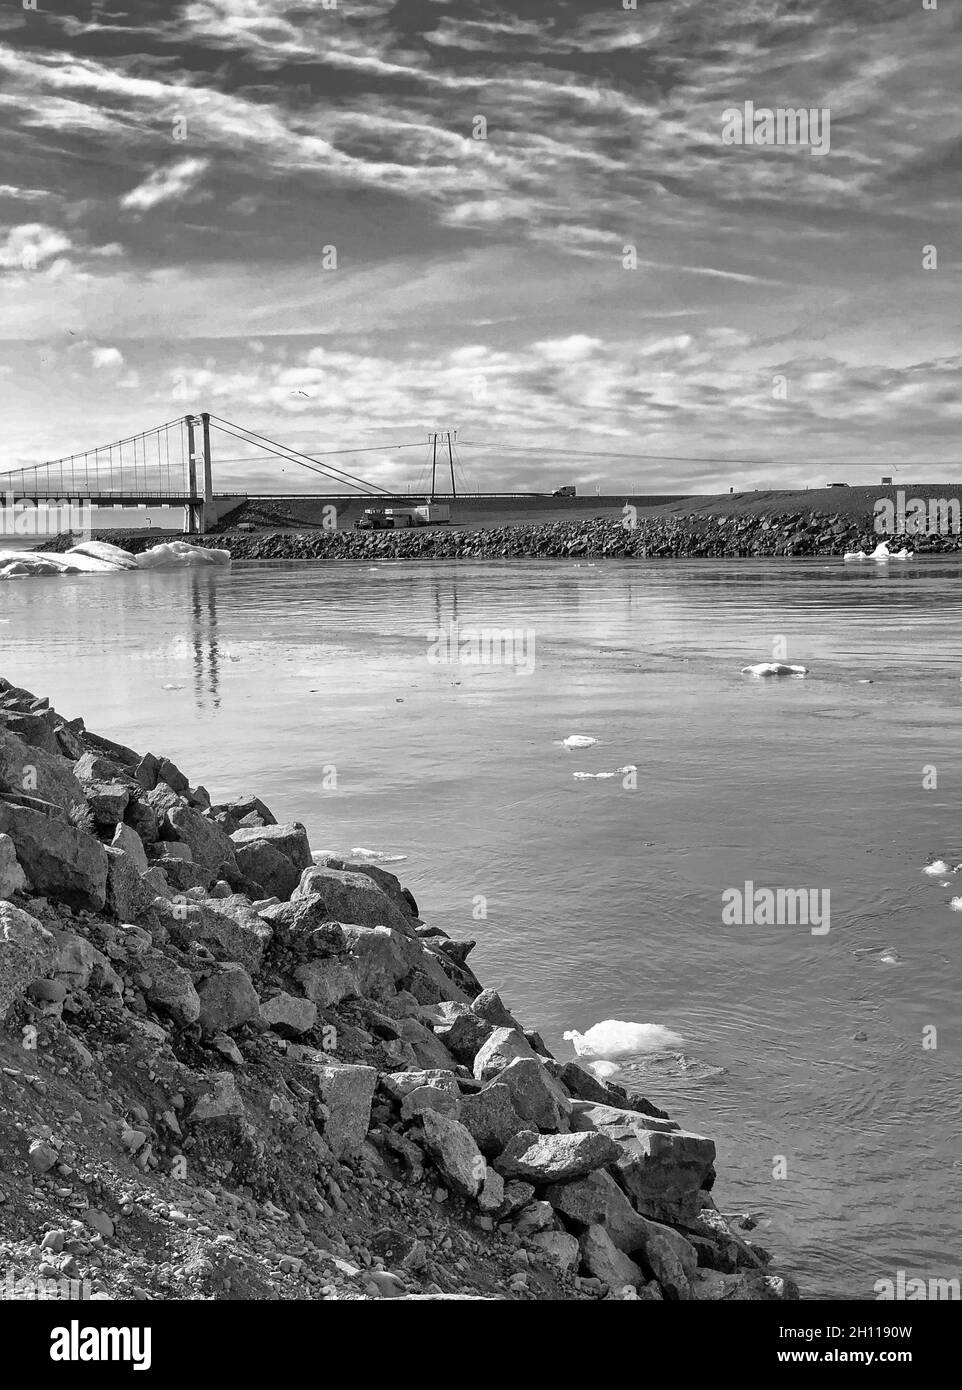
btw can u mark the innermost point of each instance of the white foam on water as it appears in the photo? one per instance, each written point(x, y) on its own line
point(774, 668)
point(578, 741)
point(614, 1038)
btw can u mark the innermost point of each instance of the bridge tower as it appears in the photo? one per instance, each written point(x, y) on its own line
point(199, 507)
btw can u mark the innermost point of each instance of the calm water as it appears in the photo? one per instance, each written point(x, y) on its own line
point(604, 901)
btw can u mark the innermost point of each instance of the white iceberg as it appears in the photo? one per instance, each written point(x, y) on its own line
point(613, 1038)
point(774, 668)
point(578, 741)
point(938, 866)
point(99, 557)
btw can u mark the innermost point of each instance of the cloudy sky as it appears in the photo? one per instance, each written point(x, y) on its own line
point(282, 212)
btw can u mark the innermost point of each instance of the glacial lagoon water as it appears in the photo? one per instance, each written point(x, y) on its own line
point(324, 689)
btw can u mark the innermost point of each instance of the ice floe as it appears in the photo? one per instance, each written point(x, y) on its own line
point(774, 668)
point(613, 1038)
point(99, 557)
point(578, 741)
point(378, 855)
point(938, 866)
point(881, 552)
point(601, 776)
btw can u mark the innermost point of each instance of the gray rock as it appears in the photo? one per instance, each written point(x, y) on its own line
point(171, 990)
point(423, 1098)
point(602, 1259)
point(489, 1006)
point(26, 951)
point(664, 1172)
point(208, 844)
point(536, 1216)
point(491, 1196)
point(327, 981)
point(267, 865)
point(551, 1158)
point(12, 877)
point(79, 964)
point(455, 1153)
point(352, 897)
point(429, 1050)
point(128, 897)
point(502, 1047)
point(560, 1248)
point(221, 1101)
point(597, 1200)
point(130, 842)
point(535, 1095)
point(42, 1156)
point(288, 1014)
point(347, 1091)
point(464, 1034)
point(106, 802)
point(517, 1194)
point(227, 999)
point(398, 1084)
point(61, 862)
point(34, 772)
point(491, 1118)
point(289, 840)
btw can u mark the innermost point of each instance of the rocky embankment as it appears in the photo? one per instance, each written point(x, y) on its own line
point(230, 1068)
point(793, 533)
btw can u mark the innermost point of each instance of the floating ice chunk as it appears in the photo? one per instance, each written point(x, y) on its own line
point(938, 866)
point(956, 904)
point(603, 1069)
point(855, 555)
point(174, 554)
point(882, 552)
point(377, 854)
point(774, 668)
point(110, 556)
point(890, 957)
point(578, 741)
point(612, 1038)
point(600, 776)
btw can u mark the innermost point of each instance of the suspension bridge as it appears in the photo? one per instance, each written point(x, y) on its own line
point(169, 465)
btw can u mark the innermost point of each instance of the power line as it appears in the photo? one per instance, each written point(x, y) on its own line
point(548, 450)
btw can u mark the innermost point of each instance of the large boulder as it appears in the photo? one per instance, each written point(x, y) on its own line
point(328, 980)
point(464, 1034)
point(352, 897)
point(265, 864)
point(552, 1158)
point(128, 897)
point(288, 1014)
point(33, 771)
point(26, 951)
point(208, 844)
point(12, 877)
point(170, 988)
point(536, 1096)
point(388, 883)
point(79, 965)
point(455, 1153)
point(346, 1091)
point(663, 1172)
point(227, 999)
point(130, 842)
point(274, 855)
point(499, 1049)
point(61, 862)
point(597, 1200)
point(107, 802)
point(603, 1260)
point(491, 1118)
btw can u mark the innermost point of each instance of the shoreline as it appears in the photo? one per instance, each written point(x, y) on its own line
point(233, 1068)
point(817, 535)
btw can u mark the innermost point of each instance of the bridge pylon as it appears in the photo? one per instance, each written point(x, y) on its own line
point(199, 506)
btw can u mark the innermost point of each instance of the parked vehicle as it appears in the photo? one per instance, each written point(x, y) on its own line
point(568, 491)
